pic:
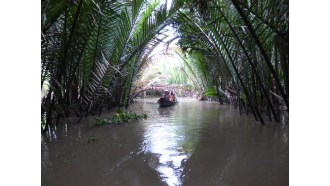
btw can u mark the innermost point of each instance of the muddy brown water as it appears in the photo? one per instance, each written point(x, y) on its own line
point(192, 143)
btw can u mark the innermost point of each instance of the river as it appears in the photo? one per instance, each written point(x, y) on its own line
point(192, 143)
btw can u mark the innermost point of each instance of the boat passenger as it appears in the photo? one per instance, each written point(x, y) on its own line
point(167, 95)
point(172, 96)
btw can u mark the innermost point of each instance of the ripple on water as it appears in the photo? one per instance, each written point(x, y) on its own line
point(192, 143)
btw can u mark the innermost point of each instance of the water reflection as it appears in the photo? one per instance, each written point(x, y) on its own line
point(166, 111)
point(191, 143)
point(164, 139)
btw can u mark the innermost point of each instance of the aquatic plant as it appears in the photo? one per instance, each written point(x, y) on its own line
point(121, 117)
point(92, 139)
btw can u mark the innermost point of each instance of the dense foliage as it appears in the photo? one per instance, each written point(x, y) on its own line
point(245, 44)
point(92, 51)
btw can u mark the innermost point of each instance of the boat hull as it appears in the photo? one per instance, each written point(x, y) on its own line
point(166, 103)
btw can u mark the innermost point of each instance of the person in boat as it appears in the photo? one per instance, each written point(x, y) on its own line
point(172, 97)
point(165, 96)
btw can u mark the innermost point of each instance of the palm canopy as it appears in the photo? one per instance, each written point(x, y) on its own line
point(93, 51)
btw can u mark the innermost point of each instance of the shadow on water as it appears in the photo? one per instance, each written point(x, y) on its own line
point(166, 111)
point(191, 143)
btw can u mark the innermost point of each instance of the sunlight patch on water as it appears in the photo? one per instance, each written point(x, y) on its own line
point(164, 139)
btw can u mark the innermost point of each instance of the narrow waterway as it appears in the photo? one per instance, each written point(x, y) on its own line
point(192, 143)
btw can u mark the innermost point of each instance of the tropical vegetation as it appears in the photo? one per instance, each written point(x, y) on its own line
point(94, 51)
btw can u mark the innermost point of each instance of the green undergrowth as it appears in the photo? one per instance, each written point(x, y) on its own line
point(92, 139)
point(121, 117)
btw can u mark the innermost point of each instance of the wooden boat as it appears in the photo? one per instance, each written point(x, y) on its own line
point(165, 103)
